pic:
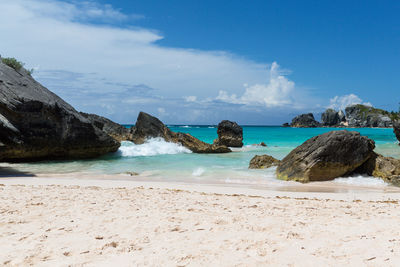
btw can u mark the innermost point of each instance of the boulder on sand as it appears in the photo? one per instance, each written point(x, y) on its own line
point(147, 127)
point(230, 134)
point(387, 168)
point(326, 156)
point(36, 124)
point(263, 162)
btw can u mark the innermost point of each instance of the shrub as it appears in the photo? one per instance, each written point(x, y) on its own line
point(13, 63)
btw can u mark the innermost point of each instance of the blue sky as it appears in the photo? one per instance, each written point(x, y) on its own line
point(198, 62)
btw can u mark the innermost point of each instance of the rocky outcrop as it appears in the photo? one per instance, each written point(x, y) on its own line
point(148, 126)
point(386, 168)
point(326, 156)
point(342, 116)
point(366, 116)
point(36, 124)
point(230, 134)
point(305, 120)
point(286, 124)
point(263, 162)
point(396, 129)
point(330, 118)
point(115, 130)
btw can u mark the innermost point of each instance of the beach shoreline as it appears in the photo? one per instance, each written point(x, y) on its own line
point(47, 221)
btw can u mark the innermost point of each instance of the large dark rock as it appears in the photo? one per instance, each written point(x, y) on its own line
point(305, 120)
point(115, 130)
point(342, 116)
point(36, 124)
point(230, 134)
point(326, 156)
point(263, 162)
point(396, 129)
point(386, 168)
point(365, 116)
point(330, 118)
point(147, 127)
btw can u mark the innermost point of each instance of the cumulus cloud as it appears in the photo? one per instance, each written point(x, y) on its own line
point(81, 52)
point(275, 93)
point(341, 102)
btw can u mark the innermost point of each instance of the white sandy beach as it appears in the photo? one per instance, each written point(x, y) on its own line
point(57, 222)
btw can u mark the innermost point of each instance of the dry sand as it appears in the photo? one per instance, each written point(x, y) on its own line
point(64, 224)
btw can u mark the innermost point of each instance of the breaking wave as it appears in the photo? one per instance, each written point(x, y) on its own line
point(152, 147)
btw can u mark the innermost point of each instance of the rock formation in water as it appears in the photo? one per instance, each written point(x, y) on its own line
point(286, 124)
point(326, 156)
point(230, 134)
point(305, 120)
point(113, 129)
point(36, 124)
point(263, 162)
point(148, 126)
point(396, 129)
point(366, 116)
point(330, 118)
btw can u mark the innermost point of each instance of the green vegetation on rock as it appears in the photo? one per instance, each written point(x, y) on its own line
point(13, 63)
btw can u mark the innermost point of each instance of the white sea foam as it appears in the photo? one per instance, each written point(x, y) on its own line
point(184, 126)
point(361, 181)
point(152, 147)
point(198, 171)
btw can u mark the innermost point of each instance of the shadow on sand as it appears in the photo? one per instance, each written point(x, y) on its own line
point(10, 172)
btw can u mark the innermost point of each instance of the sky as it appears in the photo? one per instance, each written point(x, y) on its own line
point(199, 62)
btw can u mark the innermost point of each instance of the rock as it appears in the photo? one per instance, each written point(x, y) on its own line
point(148, 126)
point(330, 117)
point(305, 120)
point(230, 134)
point(386, 168)
point(263, 144)
point(366, 116)
point(36, 124)
point(342, 116)
point(285, 124)
point(263, 162)
point(115, 130)
point(326, 156)
point(132, 173)
point(396, 129)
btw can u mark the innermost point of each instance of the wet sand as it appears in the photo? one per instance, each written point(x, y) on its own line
point(55, 221)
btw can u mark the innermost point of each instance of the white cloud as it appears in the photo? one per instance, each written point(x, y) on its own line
point(275, 93)
point(190, 98)
point(124, 69)
point(341, 102)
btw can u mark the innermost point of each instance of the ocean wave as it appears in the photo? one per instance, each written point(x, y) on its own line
point(361, 181)
point(184, 126)
point(198, 172)
point(152, 147)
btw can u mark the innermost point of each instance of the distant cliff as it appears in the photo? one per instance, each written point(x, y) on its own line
point(354, 116)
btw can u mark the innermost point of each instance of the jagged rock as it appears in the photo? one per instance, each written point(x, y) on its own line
point(326, 156)
point(365, 116)
point(230, 134)
point(36, 124)
point(330, 117)
point(342, 116)
point(285, 124)
point(263, 144)
point(305, 120)
point(396, 129)
point(148, 126)
point(115, 130)
point(263, 162)
point(387, 168)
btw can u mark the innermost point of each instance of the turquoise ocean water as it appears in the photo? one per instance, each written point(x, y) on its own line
point(158, 160)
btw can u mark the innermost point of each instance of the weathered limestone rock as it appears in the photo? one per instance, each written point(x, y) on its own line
point(230, 134)
point(326, 156)
point(148, 126)
point(263, 162)
point(305, 120)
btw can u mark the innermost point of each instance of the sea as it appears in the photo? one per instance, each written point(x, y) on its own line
point(157, 160)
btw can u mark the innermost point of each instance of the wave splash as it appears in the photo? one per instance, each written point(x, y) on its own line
point(152, 147)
